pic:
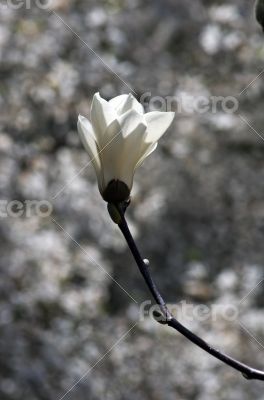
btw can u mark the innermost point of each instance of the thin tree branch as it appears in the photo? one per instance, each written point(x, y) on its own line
point(168, 318)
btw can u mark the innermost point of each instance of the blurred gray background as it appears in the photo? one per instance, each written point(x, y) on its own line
point(70, 291)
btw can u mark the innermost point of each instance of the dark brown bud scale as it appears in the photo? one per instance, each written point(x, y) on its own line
point(116, 192)
point(259, 10)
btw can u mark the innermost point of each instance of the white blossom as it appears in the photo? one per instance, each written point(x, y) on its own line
point(118, 139)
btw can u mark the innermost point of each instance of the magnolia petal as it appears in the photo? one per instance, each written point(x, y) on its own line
point(119, 158)
point(110, 153)
point(102, 115)
point(118, 102)
point(86, 125)
point(111, 133)
point(126, 102)
point(131, 153)
point(122, 145)
point(129, 122)
point(150, 148)
point(132, 103)
point(157, 124)
point(88, 139)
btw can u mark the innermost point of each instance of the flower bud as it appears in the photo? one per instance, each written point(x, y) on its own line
point(119, 137)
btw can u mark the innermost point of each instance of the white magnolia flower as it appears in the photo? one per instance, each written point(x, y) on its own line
point(118, 139)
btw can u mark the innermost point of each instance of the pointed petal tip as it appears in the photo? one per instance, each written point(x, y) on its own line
point(82, 121)
point(157, 124)
point(97, 97)
point(171, 115)
point(131, 121)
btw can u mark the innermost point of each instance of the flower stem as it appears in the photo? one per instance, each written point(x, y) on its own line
point(168, 318)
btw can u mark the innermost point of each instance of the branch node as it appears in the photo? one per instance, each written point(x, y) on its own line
point(160, 318)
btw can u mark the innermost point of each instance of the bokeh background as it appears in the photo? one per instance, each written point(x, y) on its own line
point(70, 291)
